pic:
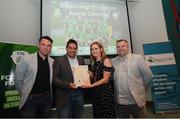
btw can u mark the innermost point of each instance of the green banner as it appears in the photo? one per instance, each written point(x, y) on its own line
point(172, 18)
point(10, 54)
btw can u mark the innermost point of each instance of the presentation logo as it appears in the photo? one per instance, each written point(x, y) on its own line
point(150, 59)
point(16, 55)
point(160, 59)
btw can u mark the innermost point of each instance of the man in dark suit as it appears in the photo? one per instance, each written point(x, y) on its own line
point(68, 97)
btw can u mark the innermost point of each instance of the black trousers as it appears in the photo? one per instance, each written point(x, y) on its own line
point(127, 111)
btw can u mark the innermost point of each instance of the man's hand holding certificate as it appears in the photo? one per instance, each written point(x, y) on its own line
point(81, 75)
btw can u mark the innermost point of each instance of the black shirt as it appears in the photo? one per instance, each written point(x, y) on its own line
point(42, 81)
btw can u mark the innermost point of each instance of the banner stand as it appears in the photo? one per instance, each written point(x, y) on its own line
point(165, 86)
point(10, 55)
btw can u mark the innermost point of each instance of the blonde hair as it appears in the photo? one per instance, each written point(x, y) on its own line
point(103, 54)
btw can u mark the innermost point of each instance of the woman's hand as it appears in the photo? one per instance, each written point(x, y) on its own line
point(86, 86)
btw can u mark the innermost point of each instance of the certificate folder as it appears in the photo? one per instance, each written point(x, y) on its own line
point(81, 75)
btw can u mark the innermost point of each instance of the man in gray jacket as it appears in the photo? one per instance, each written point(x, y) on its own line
point(131, 77)
point(33, 80)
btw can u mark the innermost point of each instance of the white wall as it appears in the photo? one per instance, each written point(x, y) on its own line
point(147, 23)
point(20, 21)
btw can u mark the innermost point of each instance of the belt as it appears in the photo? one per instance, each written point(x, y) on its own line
point(40, 94)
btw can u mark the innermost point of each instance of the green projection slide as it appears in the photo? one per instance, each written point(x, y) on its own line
point(85, 21)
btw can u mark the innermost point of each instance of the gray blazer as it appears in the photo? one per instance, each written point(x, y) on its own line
point(25, 75)
point(139, 75)
point(62, 76)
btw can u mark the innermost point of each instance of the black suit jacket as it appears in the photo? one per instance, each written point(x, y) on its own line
point(62, 76)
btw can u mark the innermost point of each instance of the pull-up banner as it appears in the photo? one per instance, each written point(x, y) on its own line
point(10, 54)
point(165, 86)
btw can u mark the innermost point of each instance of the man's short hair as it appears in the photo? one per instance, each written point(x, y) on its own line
point(46, 37)
point(71, 41)
point(120, 40)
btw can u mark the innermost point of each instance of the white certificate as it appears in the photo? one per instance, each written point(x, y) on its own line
point(81, 75)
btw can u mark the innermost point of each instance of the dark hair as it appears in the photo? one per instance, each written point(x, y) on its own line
point(121, 40)
point(71, 41)
point(45, 37)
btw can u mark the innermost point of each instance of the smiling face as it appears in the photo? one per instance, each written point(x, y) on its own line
point(96, 51)
point(44, 47)
point(122, 48)
point(71, 50)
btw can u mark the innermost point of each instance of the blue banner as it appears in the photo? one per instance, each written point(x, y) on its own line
point(165, 86)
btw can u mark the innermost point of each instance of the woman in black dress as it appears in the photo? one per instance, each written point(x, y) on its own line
point(103, 94)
